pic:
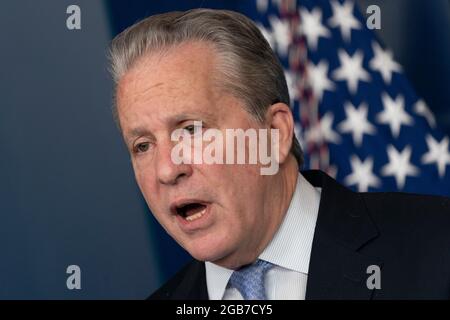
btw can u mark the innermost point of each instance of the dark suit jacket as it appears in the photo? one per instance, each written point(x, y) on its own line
point(406, 235)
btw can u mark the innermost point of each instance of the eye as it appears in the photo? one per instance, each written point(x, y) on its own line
point(142, 147)
point(190, 128)
point(194, 129)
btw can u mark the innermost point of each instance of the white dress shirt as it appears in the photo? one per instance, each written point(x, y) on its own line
point(289, 251)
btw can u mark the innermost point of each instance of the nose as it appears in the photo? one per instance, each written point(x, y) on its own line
point(167, 171)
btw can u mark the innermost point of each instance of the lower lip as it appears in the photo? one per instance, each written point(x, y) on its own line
point(200, 223)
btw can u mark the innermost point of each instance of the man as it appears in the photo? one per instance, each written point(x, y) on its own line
point(286, 235)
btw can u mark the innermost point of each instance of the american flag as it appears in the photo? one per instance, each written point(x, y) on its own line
point(358, 117)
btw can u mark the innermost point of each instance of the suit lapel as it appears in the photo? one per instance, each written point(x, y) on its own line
point(337, 269)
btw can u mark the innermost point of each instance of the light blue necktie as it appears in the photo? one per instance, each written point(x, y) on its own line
point(249, 280)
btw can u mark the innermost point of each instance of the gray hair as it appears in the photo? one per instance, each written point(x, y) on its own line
point(249, 69)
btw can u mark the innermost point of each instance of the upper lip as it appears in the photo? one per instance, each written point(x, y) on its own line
point(182, 202)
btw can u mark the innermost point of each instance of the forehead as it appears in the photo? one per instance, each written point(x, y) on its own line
point(177, 80)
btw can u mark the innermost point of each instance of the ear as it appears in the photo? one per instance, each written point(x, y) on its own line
point(279, 116)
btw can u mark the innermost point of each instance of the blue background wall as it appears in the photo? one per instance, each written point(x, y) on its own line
point(67, 190)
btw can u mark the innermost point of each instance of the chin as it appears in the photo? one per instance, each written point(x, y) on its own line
point(209, 251)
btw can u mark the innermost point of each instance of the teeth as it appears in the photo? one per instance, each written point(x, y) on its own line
point(196, 216)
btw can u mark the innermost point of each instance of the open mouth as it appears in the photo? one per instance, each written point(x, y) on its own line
point(191, 211)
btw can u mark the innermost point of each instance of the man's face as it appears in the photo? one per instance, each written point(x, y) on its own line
point(162, 93)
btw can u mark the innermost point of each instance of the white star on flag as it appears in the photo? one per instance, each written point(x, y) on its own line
point(291, 81)
point(344, 19)
point(437, 153)
point(356, 122)
point(420, 107)
point(394, 114)
point(351, 70)
point(262, 5)
point(362, 174)
point(281, 34)
point(318, 79)
point(326, 125)
point(399, 165)
point(383, 62)
point(312, 26)
point(323, 131)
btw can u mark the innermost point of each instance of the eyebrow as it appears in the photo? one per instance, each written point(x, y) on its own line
point(194, 115)
point(173, 121)
point(136, 132)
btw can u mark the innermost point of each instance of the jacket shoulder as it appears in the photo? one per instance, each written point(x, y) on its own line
point(185, 284)
point(408, 203)
point(420, 214)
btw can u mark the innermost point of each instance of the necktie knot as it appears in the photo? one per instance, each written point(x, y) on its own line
point(249, 280)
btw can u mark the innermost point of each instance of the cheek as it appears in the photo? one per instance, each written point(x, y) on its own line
point(240, 189)
point(235, 184)
point(145, 180)
point(244, 181)
point(139, 175)
point(245, 191)
point(142, 168)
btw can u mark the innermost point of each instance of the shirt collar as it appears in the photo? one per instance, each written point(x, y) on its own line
point(291, 246)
